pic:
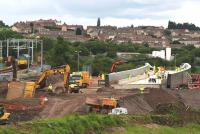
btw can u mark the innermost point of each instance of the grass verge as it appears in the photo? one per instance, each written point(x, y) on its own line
point(97, 124)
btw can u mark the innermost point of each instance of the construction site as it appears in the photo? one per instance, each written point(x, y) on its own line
point(30, 92)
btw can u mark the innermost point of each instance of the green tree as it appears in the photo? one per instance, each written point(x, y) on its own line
point(60, 53)
point(6, 33)
point(48, 43)
point(98, 22)
point(101, 64)
point(196, 52)
point(112, 53)
point(176, 42)
point(190, 26)
point(78, 31)
point(167, 32)
point(96, 47)
point(2, 24)
point(84, 50)
point(146, 45)
point(132, 26)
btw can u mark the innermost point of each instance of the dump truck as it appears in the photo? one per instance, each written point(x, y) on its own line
point(73, 86)
point(82, 79)
point(104, 105)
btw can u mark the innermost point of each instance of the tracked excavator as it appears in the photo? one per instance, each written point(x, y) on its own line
point(118, 62)
point(61, 71)
point(56, 78)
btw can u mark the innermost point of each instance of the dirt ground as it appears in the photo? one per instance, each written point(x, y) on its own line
point(61, 106)
point(132, 99)
point(135, 101)
point(190, 98)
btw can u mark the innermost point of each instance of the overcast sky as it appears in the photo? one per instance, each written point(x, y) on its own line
point(111, 12)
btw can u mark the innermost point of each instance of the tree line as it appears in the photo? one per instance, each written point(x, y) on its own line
point(100, 55)
point(189, 26)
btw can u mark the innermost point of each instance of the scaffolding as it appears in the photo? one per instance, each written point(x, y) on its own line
point(22, 44)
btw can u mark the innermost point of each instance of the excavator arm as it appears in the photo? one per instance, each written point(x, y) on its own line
point(66, 75)
point(65, 70)
point(112, 69)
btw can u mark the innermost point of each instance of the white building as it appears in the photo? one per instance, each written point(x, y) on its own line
point(168, 54)
point(163, 54)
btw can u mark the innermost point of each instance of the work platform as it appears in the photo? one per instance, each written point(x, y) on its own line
point(141, 78)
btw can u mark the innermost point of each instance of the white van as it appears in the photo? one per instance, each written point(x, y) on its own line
point(118, 111)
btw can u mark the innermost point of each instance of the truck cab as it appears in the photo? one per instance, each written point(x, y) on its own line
point(22, 61)
point(73, 86)
point(82, 79)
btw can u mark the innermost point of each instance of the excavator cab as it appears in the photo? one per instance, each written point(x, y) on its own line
point(4, 116)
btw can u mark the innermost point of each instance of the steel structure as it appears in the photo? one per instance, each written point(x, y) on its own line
point(21, 44)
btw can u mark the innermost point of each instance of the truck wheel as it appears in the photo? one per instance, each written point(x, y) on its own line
point(104, 111)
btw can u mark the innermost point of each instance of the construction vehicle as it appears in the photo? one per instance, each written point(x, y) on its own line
point(114, 64)
point(113, 67)
point(58, 86)
point(82, 79)
point(118, 111)
point(22, 62)
point(104, 105)
point(4, 116)
point(73, 87)
point(63, 71)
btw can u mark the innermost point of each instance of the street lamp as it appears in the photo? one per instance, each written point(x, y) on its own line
point(78, 58)
point(175, 60)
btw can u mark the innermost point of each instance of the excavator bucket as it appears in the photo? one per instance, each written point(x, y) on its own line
point(29, 90)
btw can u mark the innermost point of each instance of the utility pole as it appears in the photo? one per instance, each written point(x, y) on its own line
point(1, 49)
point(175, 61)
point(32, 52)
point(7, 47)
point(78, 58)
point(18, 49)
point(28, 56)
point(41, 56)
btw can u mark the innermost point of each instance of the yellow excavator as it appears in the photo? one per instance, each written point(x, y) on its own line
point(56, 87)
point(4, 116)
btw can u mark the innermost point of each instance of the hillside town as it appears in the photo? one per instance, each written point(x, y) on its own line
point(99, 67)
point(155, 37)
